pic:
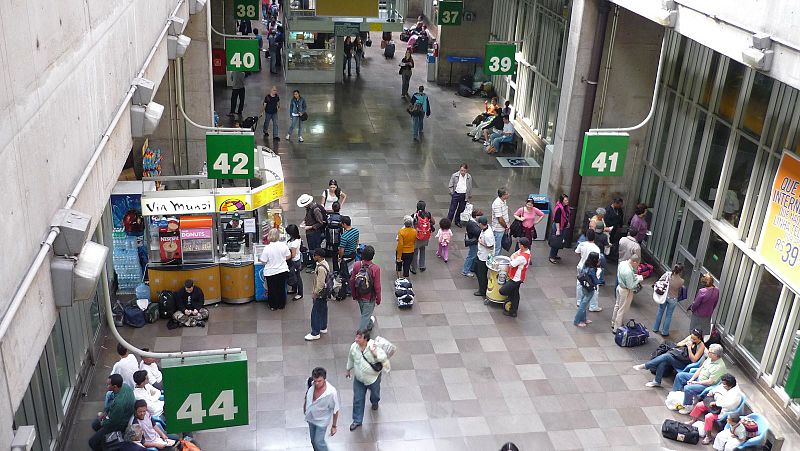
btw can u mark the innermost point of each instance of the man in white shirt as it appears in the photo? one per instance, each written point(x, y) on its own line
point(460, 187)
point(152, 395)
point(152, 435)
point(584, 249)
point(153, 372)
point(486, 246)
point(320, 406)
point(516, 275)
point(507, 135)
point(500, 222)
point(125, 366)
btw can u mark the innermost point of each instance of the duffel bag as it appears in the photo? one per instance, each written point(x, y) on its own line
point(631, 334)
point(675, 430)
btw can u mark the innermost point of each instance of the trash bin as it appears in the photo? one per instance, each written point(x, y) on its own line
point(497, 275)
point(431, 67)
point(542, 202)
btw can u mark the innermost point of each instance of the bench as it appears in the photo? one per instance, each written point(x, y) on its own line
point(511, 146)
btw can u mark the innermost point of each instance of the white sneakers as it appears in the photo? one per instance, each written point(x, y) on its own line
point(310, 337)
point(300, 139)
point(652, 384)
point(324, 331)
point(288, 137)
point(372, 319)
point(638, 367)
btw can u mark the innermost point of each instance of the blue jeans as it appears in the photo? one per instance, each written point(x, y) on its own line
point(680, 380)
point(585, 297)
point(416, 125)
point(274, 118)
point(317, 434)
point(594, 302)
point(348, 62)
point(366, 308)
point(498, 240)
point(472, 253)
point(690, 391)
point(668, 306)
point(319, 316)
point(314, 240)
point(661, 363)
point(296, 124)
point(497, 139)
point(360, 395)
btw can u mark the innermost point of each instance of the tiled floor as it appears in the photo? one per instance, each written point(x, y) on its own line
point(465, 376)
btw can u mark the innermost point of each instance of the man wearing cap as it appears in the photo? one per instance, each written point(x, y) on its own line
point(235, 222)
point(516, 275)
point(486, 244)
point(314, 222)
point(319, 309)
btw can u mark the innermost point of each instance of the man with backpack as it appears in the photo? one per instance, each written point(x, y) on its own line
point(419, 109)
point(323, 284)
point(365, 284)
point(348, 245)
point(333, 233)
point(189, 303)
point(314, 222)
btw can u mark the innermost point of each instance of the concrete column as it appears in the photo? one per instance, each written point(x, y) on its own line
point(197, 92)
point(468, 39)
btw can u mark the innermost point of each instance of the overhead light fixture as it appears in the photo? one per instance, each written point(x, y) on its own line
point(24, 437)
point(195, 6)
point(177, 45)
point(176, 25)
point(144, 91)
point(76, 266)
point(144, 119)
point(759, 54)
point(667, 16)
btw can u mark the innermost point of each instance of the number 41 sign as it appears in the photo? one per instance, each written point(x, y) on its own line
point(604, 154)
point(205, 392)
point(500, 59)
point(230, 155)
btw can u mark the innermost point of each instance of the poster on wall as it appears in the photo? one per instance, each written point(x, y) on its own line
point(169, 241)
point(347, 8)
point(780, 238)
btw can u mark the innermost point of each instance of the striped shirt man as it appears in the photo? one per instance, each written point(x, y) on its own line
point(349, 241)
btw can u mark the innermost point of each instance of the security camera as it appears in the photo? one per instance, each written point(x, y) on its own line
point(177, 45)
point(195, 6)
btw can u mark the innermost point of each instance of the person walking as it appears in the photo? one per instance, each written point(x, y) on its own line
point(627, 279)
point(704, 303)
point(348, 245)
point(320, 407)
point(444, 235)
point(520, 260)
point(406, 66)
point(272, 42)
point(589, 271)
point(295, 262)
point(561, 227)
point(275, 258)
point(272, 104)
point(500, 224)
point(365, 359)
point(314, 222)
point(297, 108)
point(423, 224)
point(460, 187)
point(348, 55)
point(366, 287)
point(486, 246)
point(675, 282)
point(319, 309)
point(358, 54)
point(237, 93)
point(471, 242)
point(529, 216)
point(406, 242)
point(584, 249)
point(421, 108)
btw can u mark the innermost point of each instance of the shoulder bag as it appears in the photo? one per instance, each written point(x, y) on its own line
point(376, 366)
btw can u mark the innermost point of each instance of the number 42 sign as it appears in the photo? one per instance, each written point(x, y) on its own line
point(604, 154)
point(230, 155)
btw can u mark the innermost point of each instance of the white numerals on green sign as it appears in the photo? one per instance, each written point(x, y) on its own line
point(600, 164)
point(246, 60)
point(245, 10)
point(239, 159)
point(192, 407)
point(448, 17)
point(497, 64)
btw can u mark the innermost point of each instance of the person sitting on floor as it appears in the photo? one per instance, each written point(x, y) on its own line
point(152, 434)
point(117, 412)
point(153, 372)
point(708, 374)
point(148, 393)
point(689, 350)
point(126, 365)
point(190, 302)
point(727, 396)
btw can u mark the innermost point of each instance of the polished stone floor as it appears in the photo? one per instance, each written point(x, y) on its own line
point(465, 376)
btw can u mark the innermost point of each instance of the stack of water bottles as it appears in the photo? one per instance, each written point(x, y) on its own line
point(126, 261)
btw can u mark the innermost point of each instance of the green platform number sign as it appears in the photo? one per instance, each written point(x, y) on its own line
point(205, 392)
point(230, 156)
point(241, 55)
point(604, 154)
point(450, 12)
point(245, 9)
point(500, 59)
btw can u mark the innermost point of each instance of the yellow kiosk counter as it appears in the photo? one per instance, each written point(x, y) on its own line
point(171, 277)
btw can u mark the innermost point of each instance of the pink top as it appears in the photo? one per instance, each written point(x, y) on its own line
point(444, 236)
point(528, 216)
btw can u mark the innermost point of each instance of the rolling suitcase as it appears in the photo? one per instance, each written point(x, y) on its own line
point(388, 52)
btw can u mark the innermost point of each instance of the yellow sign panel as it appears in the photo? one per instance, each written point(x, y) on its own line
point(233, 202)
point(780, 237)
point(375, 26)
point(267, 193)
point(347, 8)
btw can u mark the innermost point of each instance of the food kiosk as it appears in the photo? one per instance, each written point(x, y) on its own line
point(497, 276)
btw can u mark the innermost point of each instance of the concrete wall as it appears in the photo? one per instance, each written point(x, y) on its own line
point(468, 39)
point(65, 68)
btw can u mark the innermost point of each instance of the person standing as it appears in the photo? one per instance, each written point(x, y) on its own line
point(460, 187)
point(348, 55)
point(333, 233)
point(406, 66)
point(116, 416)
point(628, 246)
point(297, 108)
point(333, 194)
point(471, 242)
point(366, 287)
point(321, 407)
point(584, 249)
point(590, 271)
point(704, 303)
point(520, 260)
point(319, 309)
point(420, 112)
point(366, 360)
point(674, 281)
point(530, 216)
point(348, 245)
point(406, 242)
point(444, 236)
point(500, 224)
point(237, 93)
point(314, 222)
point(276, 269)
point(615, 220)
point(295, 262)
point(627, 279)
point(561, 226)
point(639, 223)
point(486, 246)
point(423, 224)
point(272, 103)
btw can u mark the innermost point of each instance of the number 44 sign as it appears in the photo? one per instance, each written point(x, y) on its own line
point(604, 154)
point(205, 392)
point(230, 155)
point(500, 59)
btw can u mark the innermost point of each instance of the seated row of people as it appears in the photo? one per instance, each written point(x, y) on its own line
point(493, 126)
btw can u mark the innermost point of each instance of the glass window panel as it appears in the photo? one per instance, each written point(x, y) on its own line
point(726, 291)
point(691, 235)
point(786, 366)
point(714, 161)
point(762, 312)
point(674, 241)
point(739, 181)
point(677, 63)
point(715, 254)
point(694, 151)
point(666, 122)
point(756, 109)
point(94, 312)
point(708, 85)
point(734, 78)
point(688, 267)
point(62, 371)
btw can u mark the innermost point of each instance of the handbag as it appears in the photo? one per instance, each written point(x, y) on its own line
point(505, 243)
point(376, 366)
point(516, 228)
point(303, 116)
point(466, 215)
point(556, 241)
point(715, 409)
point(680, 353)
point(660, 289)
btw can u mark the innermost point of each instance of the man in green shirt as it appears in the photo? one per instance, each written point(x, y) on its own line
point(709, 373)
point(627, 279)
point(116, 416)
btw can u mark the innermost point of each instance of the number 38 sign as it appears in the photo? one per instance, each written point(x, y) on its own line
point(604, 154)
point(230, 156)
point(500, 59)
point(205, 392)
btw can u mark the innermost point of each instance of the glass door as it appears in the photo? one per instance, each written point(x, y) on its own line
point(701, 250)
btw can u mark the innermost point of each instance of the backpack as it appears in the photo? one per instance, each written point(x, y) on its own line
point(586, 281)
point(166, 304)
point(333, 232)
point(152, 313)
point(750, 426)
point(363, 280)
point(133, 316)
point(423, 227)
point(327, 290)
point(324, 213)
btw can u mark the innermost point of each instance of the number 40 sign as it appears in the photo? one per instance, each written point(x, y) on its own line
point(604, 154)
point(205, 392)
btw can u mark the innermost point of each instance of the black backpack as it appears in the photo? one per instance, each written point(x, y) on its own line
point(363, 280)
point(166, 304)
point(327, 290)
point(333, 231)
point(586, 282)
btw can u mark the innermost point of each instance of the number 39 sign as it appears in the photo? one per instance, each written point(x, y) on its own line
point(500, 59)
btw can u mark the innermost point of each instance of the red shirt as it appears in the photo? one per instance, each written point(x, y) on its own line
point(375, 271)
